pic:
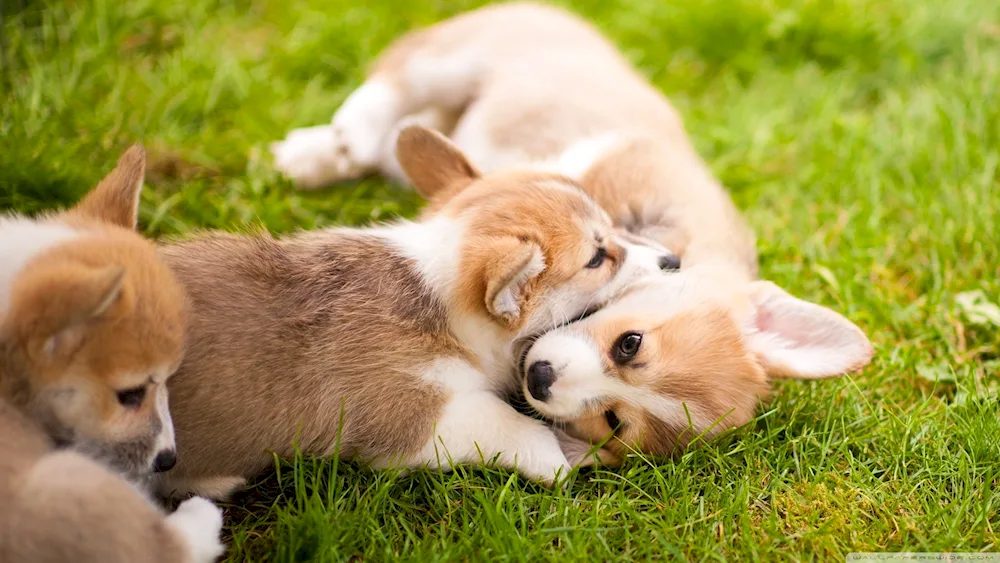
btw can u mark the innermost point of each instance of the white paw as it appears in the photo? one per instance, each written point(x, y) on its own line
point(199, 522)
point(546, 465)
point(314, 157)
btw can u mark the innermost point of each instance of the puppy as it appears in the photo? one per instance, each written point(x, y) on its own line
point(521, 85)
point(91, 327)
point(392, 343)
point(682, 356)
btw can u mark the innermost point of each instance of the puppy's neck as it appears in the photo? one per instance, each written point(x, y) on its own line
point(435, 246)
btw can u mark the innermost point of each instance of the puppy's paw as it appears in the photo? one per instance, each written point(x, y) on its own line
point(315, 157)
point(199, 523)
point(580, 453)
point(547, 466)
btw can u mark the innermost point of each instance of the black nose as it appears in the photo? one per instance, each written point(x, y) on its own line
point(670, 262)
point(165, 461)
point(540, 378)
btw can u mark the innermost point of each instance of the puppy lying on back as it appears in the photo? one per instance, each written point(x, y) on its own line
point(402, 331)
point(91, 327)
point(523, 85)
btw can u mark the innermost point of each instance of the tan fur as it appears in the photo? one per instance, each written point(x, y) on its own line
point(511, 210)
point(58, 344)
point(710, 344)
point(60, 506)
point(290, 337)
point(699, 358)
point(436, 167)
point(90, 316)
point(535, 87)
point(667, 194)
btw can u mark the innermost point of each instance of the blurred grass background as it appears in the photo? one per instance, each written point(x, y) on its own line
point(861, 137)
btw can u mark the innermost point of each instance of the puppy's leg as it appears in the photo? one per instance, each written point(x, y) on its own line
point(95, 516)
point(478, 426)
point(407, 80)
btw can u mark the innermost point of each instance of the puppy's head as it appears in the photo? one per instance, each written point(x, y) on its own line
point(95, 327)
point(682, 356)
point(537, 251)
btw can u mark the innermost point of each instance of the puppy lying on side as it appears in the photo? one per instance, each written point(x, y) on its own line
point(91, 327)
point(403, 330)
point(521, 85)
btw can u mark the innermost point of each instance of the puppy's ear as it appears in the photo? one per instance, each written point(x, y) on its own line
point(116, 199)
point(797, 339)
point(431, 162)
point(57, 305)
point(509, 267)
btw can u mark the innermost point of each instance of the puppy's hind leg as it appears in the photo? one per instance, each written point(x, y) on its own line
point(408, 79)
point(434, 118)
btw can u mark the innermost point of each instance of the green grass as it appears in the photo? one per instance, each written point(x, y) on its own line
point(861, 137)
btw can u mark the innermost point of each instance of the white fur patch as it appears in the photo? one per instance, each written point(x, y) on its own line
point(456, 376)
point(579, 371)
point(434, 245)
point(480, 426)
point(444, 81)
point(198, 522)
point(576, 160)
point(311, 157)
point(21, 240)
point(349, 148)
point(365, 119)
point(165, 439)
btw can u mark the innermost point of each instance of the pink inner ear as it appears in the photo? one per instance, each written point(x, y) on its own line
point(795, 338)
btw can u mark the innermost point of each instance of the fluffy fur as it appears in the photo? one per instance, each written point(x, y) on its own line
point(401, 332)
point(91, 326)
point(523, 85)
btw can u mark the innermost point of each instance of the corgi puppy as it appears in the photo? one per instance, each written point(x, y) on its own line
point(91, 327)
point(682, 356)
point(522, 85)
point(392, 343)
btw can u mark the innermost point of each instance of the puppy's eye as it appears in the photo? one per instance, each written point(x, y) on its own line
point(627, 347)
point(132, 398)
point(597, 259)
point(612, 419)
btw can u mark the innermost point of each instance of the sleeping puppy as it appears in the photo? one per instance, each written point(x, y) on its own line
point(521, 86)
